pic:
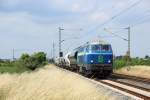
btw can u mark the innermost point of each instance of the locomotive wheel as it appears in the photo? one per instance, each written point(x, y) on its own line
point(81, 71)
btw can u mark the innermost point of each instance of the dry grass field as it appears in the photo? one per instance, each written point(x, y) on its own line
point(49, 83)
point(141, 71)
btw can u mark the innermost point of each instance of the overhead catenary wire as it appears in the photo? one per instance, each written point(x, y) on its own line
point(138, 21)
point(115, 16)
point(141, 22)
point(116, 35)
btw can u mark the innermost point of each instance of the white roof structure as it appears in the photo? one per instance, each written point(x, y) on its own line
point(97, 42)
point(93, 42)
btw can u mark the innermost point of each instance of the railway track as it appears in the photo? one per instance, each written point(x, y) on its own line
point(141, 92)
point(134, 90)
point(123, 76)
point(135, 86)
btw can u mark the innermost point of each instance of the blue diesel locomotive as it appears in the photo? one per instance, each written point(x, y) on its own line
point(93, 57)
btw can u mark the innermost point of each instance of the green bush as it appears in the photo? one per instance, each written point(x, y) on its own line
point(122, 62)
point(34, 61)
point(25, 63)
point(119, 64)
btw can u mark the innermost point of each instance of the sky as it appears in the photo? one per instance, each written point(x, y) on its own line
point(29, 26)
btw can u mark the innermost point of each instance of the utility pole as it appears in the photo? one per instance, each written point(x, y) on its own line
point(60, 29)
point(129, 39)
point(60, 40)
point(13, 55)
point(53, 50)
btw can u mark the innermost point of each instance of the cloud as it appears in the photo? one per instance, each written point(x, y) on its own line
point(10, 3)
point(72, 5)
point(34, 23)
point(99, 16)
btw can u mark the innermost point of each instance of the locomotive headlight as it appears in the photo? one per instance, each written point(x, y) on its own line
point(92, 61)
point(109, 61)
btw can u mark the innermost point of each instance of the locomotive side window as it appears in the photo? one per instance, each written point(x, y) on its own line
point(96, 47)
point(87, 48)
point(105, 48)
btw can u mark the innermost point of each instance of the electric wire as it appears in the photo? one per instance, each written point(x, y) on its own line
point(115, 16)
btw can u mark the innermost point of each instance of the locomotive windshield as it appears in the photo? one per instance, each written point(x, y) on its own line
point(96, 47)
point(99, 47)
point(105, 48)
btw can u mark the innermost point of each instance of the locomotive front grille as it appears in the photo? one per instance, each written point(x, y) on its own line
point(99, 66)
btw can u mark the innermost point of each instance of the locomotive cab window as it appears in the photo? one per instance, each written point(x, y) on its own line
point(96, 47)
point(105, 47)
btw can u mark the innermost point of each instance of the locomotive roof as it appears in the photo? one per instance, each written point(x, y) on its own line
point(93, 42)
point(97, 42)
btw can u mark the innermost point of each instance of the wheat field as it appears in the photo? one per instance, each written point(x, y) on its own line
point(141, 71)
point(49, 83)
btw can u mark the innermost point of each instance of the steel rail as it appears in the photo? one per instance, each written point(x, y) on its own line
point(142, 96)
point(140, 79)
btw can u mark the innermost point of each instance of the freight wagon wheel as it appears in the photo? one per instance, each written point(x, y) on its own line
point(77, 69)
point(89, 75)
point(81, 71)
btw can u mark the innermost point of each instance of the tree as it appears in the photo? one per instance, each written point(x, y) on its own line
point(40, 56)
point(34, 61)
point(147, 57)
point(24, 56)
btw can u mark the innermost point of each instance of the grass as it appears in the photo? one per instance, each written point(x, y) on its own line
point(138, 70)
point(12, 67)
point(49, 83)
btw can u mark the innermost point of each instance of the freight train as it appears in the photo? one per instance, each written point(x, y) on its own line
point(91, 58)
